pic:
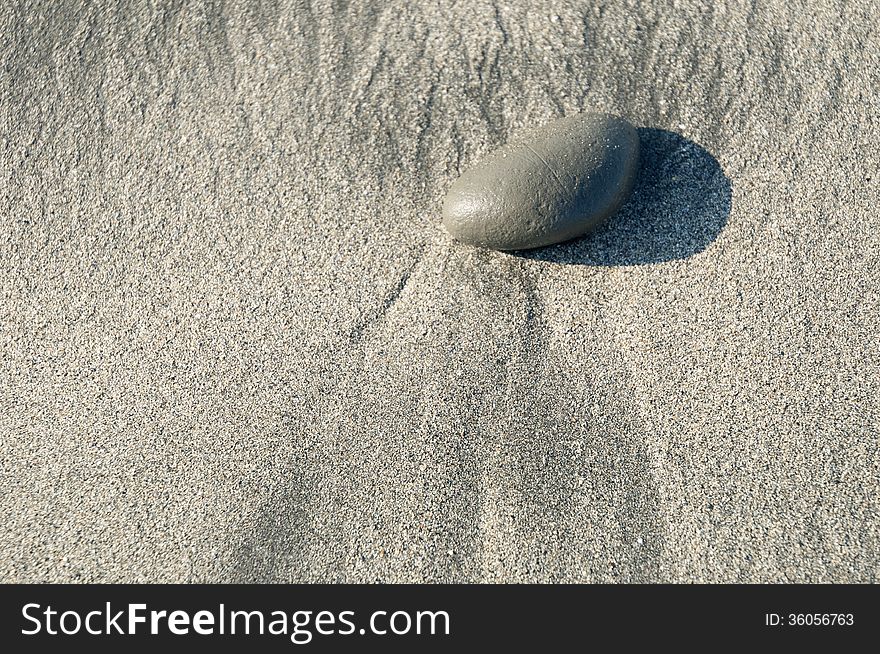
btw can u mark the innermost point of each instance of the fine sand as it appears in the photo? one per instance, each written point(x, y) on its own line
point(235, 343)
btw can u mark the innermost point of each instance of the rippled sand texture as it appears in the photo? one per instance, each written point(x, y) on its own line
point(236, 345)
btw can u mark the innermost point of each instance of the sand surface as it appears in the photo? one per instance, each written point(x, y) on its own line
point(235, 343)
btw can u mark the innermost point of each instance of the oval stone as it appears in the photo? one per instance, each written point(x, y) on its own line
point(551, 185)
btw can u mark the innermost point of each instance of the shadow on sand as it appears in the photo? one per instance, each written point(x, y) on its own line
point(680, 203)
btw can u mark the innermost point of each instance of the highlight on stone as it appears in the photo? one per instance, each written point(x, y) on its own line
point(555, 183)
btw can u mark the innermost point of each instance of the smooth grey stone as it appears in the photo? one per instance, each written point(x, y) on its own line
point(551, 185)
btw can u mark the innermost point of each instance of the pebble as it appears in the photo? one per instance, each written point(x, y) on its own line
point(555, 183)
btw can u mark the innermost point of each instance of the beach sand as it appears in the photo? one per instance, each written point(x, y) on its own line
point(236, 345)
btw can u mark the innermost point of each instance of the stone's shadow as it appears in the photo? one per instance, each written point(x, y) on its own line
point(679, 204)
